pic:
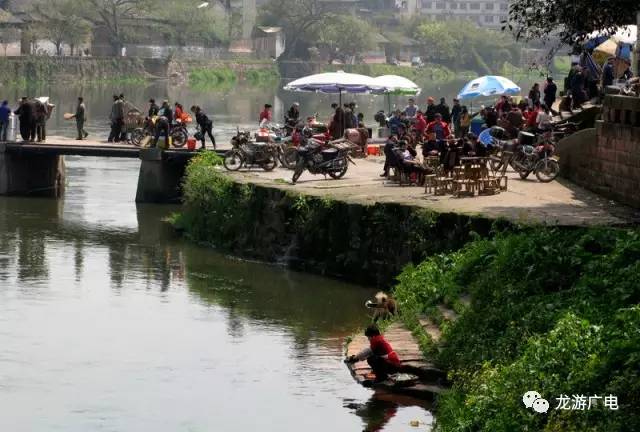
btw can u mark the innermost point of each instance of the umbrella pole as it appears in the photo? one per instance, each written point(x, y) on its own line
point(344, 114)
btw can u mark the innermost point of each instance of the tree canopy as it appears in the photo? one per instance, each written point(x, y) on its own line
point(300, 20)
point(569, 20)
point(62, 23)
point(344, 36)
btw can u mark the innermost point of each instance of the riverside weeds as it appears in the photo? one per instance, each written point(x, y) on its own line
point(552, 310)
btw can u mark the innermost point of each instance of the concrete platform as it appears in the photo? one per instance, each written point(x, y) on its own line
point(526, 201)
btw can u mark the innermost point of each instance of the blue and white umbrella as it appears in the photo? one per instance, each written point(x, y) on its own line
point(489, 85)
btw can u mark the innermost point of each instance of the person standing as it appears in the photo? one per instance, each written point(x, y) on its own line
point(465, 121)
point(411, 110)
point(5, 114)
point(293, 115)
point(153, 108)
point(206, 125)
point(534, 95)
point(163, 124)
point(25, 115)
point(550, 91)
point(430, 112)
point(578, 94)
point(456, 111)
point(443, 109)
point(608, 74)
point(117, 119)
point(41, 112)
point(81, 118)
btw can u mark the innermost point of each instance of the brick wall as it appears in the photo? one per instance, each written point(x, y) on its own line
point(606, 159)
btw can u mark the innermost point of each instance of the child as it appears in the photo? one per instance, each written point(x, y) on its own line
point(380, 356)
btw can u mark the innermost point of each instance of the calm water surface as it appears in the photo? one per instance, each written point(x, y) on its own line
point(110, 322)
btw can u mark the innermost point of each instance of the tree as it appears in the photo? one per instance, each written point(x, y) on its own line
point(344, 36)
point(60, 24)
point(111, 15)
point(299, 19)
point(569, 20)
point(187, 24)
point(438, 41)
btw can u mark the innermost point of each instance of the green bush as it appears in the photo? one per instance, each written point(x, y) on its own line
point(551, 310)
point(264, 77)
point(212, 78)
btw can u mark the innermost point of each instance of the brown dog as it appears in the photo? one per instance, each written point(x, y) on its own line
point(384, 306)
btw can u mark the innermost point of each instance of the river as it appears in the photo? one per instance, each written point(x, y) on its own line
point(109, 321)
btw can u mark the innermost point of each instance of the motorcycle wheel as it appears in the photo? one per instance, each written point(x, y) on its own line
point(180, 137)
point(339, 174)
point(290, 158)
point(233, 160)
point(270, 164)
point(297, 172)
point(547, 172)
point(524, 173)
point(136, 137)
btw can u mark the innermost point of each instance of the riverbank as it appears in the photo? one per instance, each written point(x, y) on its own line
point(367, 244)
point(504, 306)
point(17, 71)
point(360, 228)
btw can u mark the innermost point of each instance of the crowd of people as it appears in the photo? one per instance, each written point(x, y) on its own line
point(584, 83)
point(449, 133)
point(33, 114)
point(160, 120)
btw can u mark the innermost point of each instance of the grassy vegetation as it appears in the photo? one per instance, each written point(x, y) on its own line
point(555, 311)
point(212, 78)
point(265, 77)
point(225, 77)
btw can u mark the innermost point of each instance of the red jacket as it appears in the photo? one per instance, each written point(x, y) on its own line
point(421, 125)
point(436, 125)
point(265, 114)
point(381, 348)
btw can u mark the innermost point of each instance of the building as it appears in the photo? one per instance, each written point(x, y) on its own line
point(486, 13)
point(268, 42)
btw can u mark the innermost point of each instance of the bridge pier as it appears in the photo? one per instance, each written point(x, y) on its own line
point(23, 173)
point(160, 177)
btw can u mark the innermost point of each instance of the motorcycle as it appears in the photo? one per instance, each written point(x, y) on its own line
point(179, 133)
point(538, 160)
point(247, 153)
point(332, 161)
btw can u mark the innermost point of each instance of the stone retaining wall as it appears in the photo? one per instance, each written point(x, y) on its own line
point(606, 159)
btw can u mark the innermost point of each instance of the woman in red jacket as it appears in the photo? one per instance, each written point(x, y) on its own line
point(380, 355)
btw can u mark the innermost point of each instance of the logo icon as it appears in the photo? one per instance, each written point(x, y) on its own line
point(533, 399)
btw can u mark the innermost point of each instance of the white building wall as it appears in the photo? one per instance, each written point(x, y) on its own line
point(486, 13)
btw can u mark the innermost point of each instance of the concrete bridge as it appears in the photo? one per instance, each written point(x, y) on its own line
point(37, 169)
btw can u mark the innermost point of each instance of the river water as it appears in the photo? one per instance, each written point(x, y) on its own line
point(111, 322)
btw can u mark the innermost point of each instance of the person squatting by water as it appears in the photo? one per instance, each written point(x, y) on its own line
point(206, 126)
point(380, 356)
